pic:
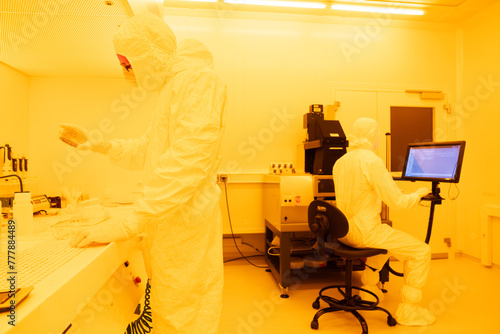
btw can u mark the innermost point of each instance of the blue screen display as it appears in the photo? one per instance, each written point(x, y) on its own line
point(433, 162)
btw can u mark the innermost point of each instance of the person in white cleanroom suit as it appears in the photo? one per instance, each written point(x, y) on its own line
point(179, 213)
point(361, 182)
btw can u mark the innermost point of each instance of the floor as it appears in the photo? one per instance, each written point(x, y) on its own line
point(463, 294)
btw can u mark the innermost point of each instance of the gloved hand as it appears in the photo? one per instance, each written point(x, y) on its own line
point(82, 139)
point(421, 192)
point(104, 233)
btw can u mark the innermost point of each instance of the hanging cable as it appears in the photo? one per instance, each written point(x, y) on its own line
point(143, 324)
point(248, 256)
point(241, 258)
point(258, 250)
point(14, 175)
point(232, 233)
point(452, 198)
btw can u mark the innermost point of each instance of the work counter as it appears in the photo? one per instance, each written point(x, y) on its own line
point(72, 287)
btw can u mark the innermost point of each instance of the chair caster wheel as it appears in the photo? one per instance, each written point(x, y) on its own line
point(391, 321)
point(314, 324)
point(316, 305)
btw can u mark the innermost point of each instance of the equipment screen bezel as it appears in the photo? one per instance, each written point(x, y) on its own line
point(456, 177)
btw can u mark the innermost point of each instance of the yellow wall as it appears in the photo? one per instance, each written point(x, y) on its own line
point(281, 67)
point(479, 114)
point(107, 107)
point(14, 111)
point(274, 70)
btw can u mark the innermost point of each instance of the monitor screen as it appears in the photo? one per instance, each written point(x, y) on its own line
point(440, 162)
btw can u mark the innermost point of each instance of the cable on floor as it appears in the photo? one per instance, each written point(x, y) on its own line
point(232, 233)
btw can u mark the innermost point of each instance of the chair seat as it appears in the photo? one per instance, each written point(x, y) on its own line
point(342, 250)
point(329, 224)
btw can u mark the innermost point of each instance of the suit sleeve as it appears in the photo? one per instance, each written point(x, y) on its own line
point(386, 188)
point(129, 153)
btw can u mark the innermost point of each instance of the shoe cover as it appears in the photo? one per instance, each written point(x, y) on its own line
point(373, 288)
point(413, 315)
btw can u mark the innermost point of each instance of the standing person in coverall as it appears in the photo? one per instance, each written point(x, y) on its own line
point(179, 213)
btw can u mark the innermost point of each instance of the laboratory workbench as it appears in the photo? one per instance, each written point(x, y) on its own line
point(64, 280)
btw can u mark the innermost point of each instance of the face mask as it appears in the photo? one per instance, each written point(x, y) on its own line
point(128, 72)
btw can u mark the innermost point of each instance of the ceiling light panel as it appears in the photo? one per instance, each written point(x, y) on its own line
point(289, 4)
point(449, 3)
point(378, 9)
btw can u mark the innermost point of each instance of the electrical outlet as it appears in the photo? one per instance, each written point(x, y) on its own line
point(447, 241)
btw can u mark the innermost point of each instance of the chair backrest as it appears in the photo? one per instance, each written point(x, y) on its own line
point(326, 218)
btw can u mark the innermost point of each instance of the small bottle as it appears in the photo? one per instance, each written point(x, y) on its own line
point(7, 166)
point(23, 164)
point(25, 168)
point(23, 213)
point(20, 167)
point(15, 166)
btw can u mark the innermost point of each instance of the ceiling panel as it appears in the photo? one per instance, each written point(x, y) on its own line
point(71, 38)
point(74, 37)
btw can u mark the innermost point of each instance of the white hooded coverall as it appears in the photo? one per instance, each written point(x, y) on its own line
point(179, 212)
point(361, 182)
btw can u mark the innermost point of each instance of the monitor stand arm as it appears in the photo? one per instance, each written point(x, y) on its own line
point(436, 191)
point(437, 199)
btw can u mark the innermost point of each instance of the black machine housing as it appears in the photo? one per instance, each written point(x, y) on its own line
point(325, 142)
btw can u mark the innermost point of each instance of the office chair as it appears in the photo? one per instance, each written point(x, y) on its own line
point(329, 224)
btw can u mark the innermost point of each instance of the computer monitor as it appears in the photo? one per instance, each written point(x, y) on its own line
point(436, 162)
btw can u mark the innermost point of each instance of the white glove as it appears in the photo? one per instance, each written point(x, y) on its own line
point(104, 233)
point(83, 139)
point(421, 192)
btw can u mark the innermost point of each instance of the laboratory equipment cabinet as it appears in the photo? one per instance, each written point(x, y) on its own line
point(287, 233)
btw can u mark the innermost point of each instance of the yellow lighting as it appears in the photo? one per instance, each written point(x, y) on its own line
point(295, 4)
point(201, 0)
point(373, 9)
